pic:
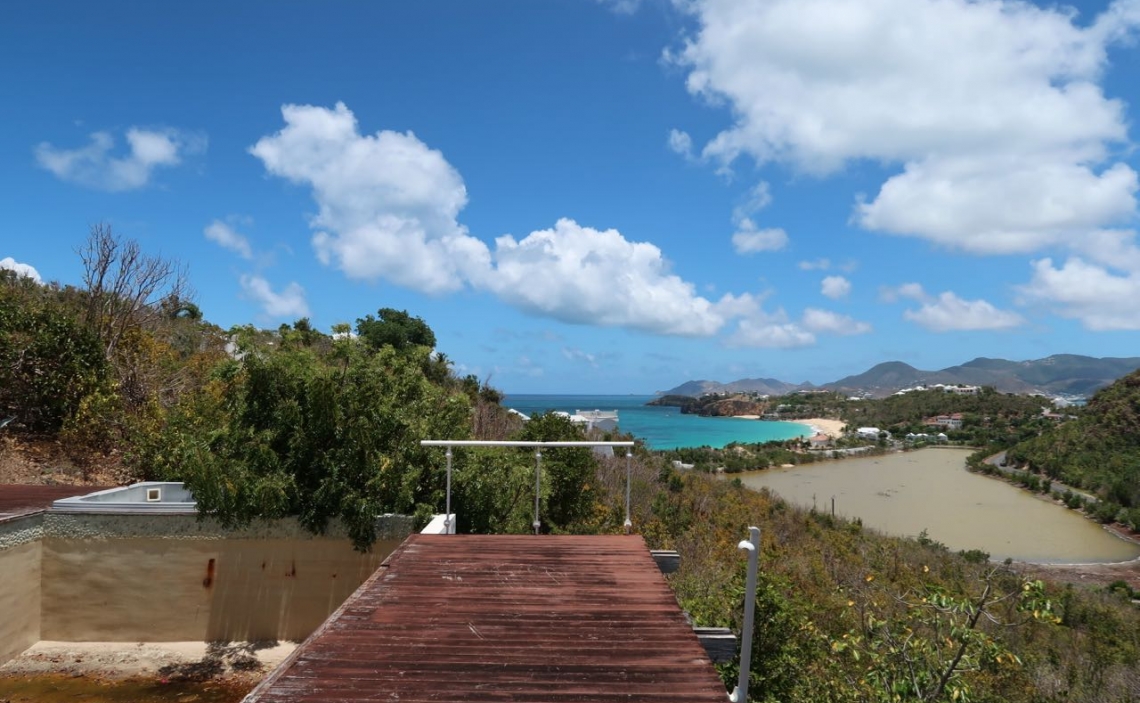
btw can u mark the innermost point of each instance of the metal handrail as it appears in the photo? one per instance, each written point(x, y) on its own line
point(538, 447)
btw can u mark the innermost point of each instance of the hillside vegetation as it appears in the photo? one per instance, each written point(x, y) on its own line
point(1099, 451)
point(295, 421)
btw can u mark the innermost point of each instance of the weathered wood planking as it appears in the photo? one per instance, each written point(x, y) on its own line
point(504, 618)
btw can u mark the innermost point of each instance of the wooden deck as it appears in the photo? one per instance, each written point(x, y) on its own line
point(504, 618)
point(22, 500)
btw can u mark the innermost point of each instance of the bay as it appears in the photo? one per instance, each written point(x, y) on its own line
point(930, 490)
point(662, 427)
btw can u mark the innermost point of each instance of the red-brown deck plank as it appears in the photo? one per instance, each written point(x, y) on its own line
point(18, 500)
point(504, 618)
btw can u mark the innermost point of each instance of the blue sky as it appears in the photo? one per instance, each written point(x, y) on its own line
point(602, 196)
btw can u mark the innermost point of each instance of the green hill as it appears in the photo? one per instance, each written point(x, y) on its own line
point(1100, 451)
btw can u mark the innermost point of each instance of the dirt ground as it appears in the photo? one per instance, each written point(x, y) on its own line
point(1088, 574)
point(124, 672)
point(164, 661)
point(37, 461)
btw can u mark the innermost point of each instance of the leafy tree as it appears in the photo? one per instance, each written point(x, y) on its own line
point(394, 328)
point(48, 361)
point(286, 433)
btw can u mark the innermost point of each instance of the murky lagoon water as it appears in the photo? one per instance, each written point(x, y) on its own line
point(930, 489)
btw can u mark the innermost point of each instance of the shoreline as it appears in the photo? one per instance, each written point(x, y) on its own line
point(814, 425)
point(824, 426)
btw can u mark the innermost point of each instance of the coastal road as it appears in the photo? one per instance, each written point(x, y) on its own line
point(998, 462)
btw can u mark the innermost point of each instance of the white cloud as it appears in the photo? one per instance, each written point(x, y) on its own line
point(825, 321)
point(914, 291)
point(582, 275)
point(94, 166)
point(777, 331)
point(835, 287)
point(288, 303)
point(26, 270)
point(993, 109)
point(985, 207)
point(387, 203)
point(815, 265)
point(229, 238)
point(388, 208)
point(770, 334)
point(948, 313)
point(1101, 300)
point(681, 143)
point(748, 239)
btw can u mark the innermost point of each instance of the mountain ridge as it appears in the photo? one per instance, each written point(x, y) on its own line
point(1058, 374)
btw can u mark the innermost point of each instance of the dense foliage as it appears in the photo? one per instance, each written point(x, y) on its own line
point(846, 614)
point(292, 433)
point(1099, 451)
point(48, 362)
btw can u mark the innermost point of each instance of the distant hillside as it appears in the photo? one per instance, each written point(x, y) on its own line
point(763, 386)
point(1099, 451)
point(1060, 374)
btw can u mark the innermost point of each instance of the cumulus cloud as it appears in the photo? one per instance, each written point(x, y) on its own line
point(914, 291)
point(289, 303)
point(748, 239)
point(387, 202)
point(388, 208)
point(229, 238)
point(681, 143)
point(949, 313)
point(777, 331)
point(94, 165)
point(582, 275)
point(26, 270)
point(993, 109)
point(1100, 299)
point(835, 287)
point(825, 321)
point(770, 334)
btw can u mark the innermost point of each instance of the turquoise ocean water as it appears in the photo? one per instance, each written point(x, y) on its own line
point(662, 428)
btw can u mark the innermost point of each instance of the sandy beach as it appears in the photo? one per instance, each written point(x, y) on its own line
point(831, 428)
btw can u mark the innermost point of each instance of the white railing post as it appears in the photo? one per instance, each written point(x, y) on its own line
point(752, 545)
point(537, 486)
point(447, 519)
point(628, 475)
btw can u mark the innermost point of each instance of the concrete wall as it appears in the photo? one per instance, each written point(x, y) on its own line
point(153, 589)
point(19, 598)
point(154, 578)
point(20, 563)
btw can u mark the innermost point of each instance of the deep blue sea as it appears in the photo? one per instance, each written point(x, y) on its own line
point(662, 428)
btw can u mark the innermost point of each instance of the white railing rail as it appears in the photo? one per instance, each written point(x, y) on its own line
point(538, 447)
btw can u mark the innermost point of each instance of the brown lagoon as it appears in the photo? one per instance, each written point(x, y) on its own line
point(930, 489)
